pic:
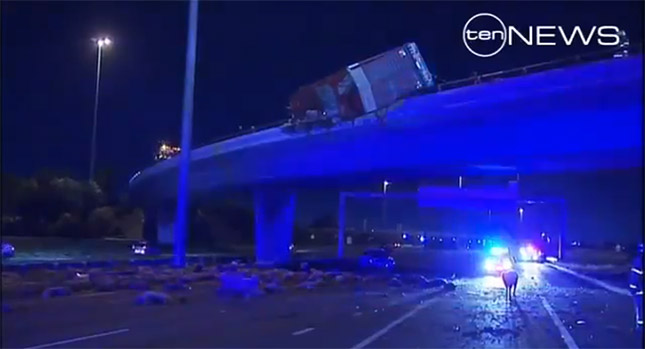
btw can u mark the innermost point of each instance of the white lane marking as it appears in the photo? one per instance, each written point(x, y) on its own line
point(637, 271)
point(308, 329)
point(367, 341)
point(602, 284)
point(78, 339)
point(411, 297)
point(568, 340)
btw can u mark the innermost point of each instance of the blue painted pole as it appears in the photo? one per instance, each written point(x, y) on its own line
point(183, 199)
point(563, 230)
point(274, 215)
point(341, 224)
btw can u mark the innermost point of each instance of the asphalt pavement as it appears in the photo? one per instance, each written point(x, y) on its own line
point(552, 310)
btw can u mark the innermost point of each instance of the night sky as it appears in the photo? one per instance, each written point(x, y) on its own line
point(251, 56)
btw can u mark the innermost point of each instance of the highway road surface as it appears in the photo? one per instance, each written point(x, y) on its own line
point(553, 309)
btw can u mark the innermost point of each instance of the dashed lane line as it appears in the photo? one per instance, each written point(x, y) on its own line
point(367, 341)
point(79, 339)
point(298, 333)
point(566, 336)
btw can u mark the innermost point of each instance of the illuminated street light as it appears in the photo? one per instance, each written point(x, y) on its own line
point(384, 216)
point(521, 210)
point(100, 44)
point(385, 185)
point(166, 151)
point(103, 42)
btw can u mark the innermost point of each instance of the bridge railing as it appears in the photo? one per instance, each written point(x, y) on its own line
point(543, 66)
point(252, 129)
point(478, 79)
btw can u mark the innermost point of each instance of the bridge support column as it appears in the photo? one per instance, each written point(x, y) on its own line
point(166, 226)
point(159, 225)
point(274, 220)
point(150, 225)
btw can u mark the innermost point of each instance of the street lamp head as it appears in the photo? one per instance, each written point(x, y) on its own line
point(103, 41)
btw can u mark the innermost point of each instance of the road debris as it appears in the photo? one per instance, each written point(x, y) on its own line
point(236, 284)
point(153, 298)
point(53, 292)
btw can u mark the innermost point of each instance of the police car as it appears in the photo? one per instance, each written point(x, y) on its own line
point(376, 259)
point(144, 248)
point(499, 260)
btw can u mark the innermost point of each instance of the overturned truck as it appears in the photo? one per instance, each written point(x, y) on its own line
point(366, 87)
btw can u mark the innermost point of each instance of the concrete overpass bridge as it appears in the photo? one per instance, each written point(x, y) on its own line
point(581, 117)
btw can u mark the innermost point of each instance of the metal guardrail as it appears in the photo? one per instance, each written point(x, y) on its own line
point(250, 130)
point(478, 79)
point(534, 68)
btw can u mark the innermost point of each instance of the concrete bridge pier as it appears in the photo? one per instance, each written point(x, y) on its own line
point(159, 225)
point(166, 226)
point(150, 225)
point(274, 221)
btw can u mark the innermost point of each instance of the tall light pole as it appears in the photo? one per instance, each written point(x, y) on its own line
point(100, 44)
point(520, 229)
point(181, 219)
point(385, 185)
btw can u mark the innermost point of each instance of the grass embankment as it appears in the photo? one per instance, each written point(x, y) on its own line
point(603, 264)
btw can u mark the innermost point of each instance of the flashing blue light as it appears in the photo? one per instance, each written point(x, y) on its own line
point(422, 238)
point(404, 236)
point(498, 251)
point(489, 265)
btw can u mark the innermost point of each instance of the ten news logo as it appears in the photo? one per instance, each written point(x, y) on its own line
point(485, 35)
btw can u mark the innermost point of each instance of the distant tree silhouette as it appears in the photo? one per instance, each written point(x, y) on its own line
point(106, 180)
point(50, 205)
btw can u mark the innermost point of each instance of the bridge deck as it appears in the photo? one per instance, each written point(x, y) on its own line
point(583, 116)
